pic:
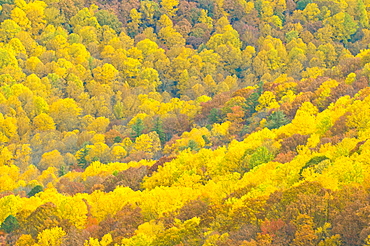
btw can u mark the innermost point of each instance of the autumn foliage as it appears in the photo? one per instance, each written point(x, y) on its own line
point(176, 122)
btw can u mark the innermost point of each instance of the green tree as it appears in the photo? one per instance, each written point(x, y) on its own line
point(10, 224)
point(158, 128)
point(35, 190)
point(137, 128)
point(81, 156)
point(105, 17)
point(260, 156)
point(276, 120)
point(215, 116)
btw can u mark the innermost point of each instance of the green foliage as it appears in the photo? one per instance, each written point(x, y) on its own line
point(192, 145)
point(10, 224)
point(137, 128)
point(313, 161)
point(158, 128)
point(62, 170)
point(215, 116)
point(276, 120)
point(81, 156)
point(35, 190)
point(260, 156)
point(301, 4)
point(117, 139)
point(105, 17)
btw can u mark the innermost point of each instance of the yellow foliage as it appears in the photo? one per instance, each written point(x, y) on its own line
point(44, 122)
point(105, 241)
point(97, 138)
point(9, 205)
point(6, 157)
point(118, 151)
point(267, 101)
point(51, 237)
point(51, 159)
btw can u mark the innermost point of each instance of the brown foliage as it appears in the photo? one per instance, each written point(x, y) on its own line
point(111, 135)
point(159, 163)
point(70, 187)
point(285, 157)
point(290, 109)
point(340, 127)
point(194, 208)
point(131, 177)
point(176, 125)
point(75, 237)
point(282, 233)
point(350, 65)
point(123, 224)
point(291, 143)
point(44, 217)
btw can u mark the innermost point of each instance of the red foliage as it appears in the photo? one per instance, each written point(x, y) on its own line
point(273, 227)
point(285, 157)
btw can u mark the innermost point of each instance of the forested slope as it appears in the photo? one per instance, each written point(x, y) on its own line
point(225, 122)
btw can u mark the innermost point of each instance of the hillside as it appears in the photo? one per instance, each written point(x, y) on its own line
point(175, 122)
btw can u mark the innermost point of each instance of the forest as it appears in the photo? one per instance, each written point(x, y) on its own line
point(184, 122)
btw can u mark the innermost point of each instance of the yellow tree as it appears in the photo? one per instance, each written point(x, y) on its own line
point(20, 17)
point(8, 30)
point(98, 125)
point(8, 128)
point(35, 13)
point(43, 122)
point(169, 7)
point(105, 74)
point(6, 157)
point(51, 159)
point(65, 113)
point(23, 156)
point(118, 152)
point(51, 237)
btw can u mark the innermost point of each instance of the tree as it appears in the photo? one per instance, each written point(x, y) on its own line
point(35, 190)
point(105, 74)
point(51, 237)
point(7, 59)
point(10, 224)
point(276, 120)
point(65, 113)
point(99, 125)
point(169, 7)
point(20, 17)
point(44, 122)
point(158, 128)
point(9, 29)
point(260, 156)
point(118, 152)
point(51, 159)
point(133, 26)
point(305, 234)
point(105, 17)
point(137, 127)
point(343, 26)
point(81, 156)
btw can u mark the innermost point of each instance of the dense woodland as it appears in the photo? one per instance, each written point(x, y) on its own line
point(176, 122)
